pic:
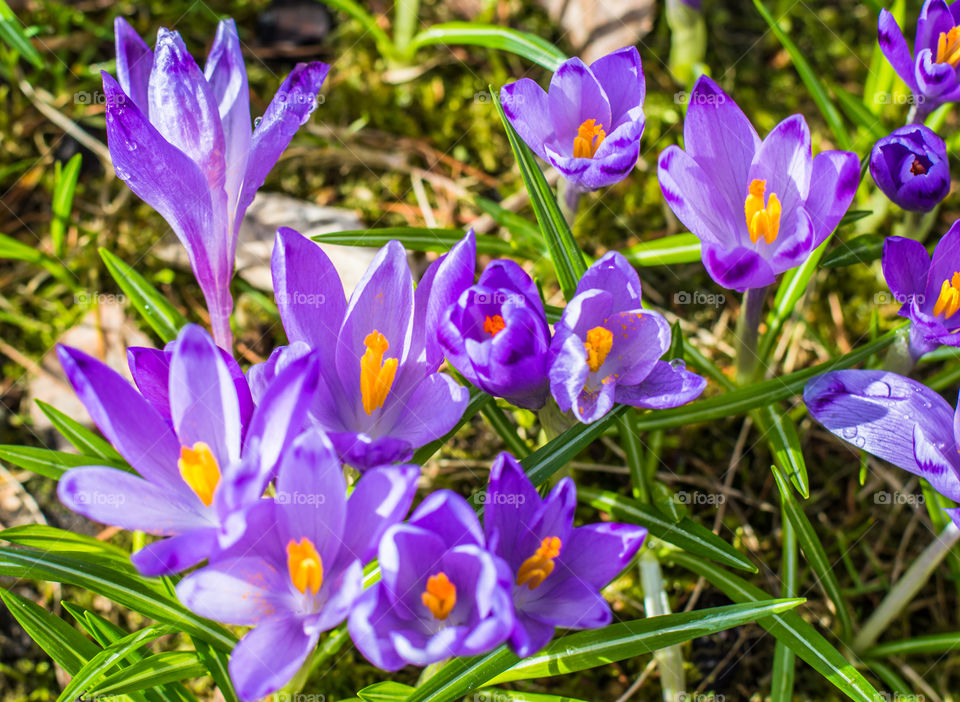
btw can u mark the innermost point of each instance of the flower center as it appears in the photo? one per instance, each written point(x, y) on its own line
point(494, 325)
point(918, 168)
point(376, 375)
point(948, 47)
point(199, 469)
point(440, 595)
point(949, 300)
point(535, 569)
point(305, 565)
point(589, 137)
point(762, 220)
point(598, 344)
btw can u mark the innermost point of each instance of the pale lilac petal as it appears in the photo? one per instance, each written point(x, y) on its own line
point(173, 555)
point(525, 105)
point(447, 514)
point(134, 62)
point(380, 499)
point(431, 410)
point(738, 269)
point(697, 202)
point(620, 74)
point(238, 591)
point(150, 369)
point(834, 182)
point(597, 553)
point(666, 386)
point(613, 273)
point(575, 96)
point(269, 656)
point(784, 162)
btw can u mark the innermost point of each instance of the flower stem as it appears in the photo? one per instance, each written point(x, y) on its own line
point(669, 659)
point(901, 357)
point(569, 201)
point(906, 588)
point(748, 331)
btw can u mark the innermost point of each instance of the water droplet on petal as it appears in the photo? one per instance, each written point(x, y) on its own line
point(849, 433)
point(860, 441)
point(678, 364)
point(877, 389)
point(257, 121)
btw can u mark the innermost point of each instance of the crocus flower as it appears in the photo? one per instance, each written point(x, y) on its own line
point(181, 139)
point(557, 569)
point(606, 348)
point(588, 125)
point(931, 70)
point(894, 418)
point(300, 568)
point(758, 207)
point(496, 335)
point(441, 593)
point(928, 289)
point(910, 167)
point(196, 475)
point(380, 395)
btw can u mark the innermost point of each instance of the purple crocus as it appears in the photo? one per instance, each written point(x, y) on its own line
point(496, 335)
point(441, 594)
point(758, 207)
point(197, 472)
point(606, 348)
point(557, 569)
point(927, 288)
point(931, 70)
point(895, 418)
point(181, 139)
point(588, 125)
point(910, 166)
point(300, 568)
point(380, 395)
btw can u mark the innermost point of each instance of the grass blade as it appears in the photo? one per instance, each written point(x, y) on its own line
point(528, 46)
point(155, 309)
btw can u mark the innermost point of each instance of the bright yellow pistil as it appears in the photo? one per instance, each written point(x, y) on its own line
point(598, 344)
point(536, 568)
point(494, 325)
point(199, 469)
point(305, 565)
point(948, 47)
point(762, 220)
point(589, 137)
point(949, 300)
point(440, 595)
point(376, 375)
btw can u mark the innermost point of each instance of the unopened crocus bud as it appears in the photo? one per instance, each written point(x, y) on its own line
point(910, 167)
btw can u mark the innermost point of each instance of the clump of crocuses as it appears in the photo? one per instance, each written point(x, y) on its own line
point(759, 207)
point(910, 166)
point(588, 126)
point(182, 139)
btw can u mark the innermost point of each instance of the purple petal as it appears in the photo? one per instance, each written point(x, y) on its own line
point(127, 420)
point(738, 269)
point(184, 109)
point(571, 603)
point(173, 555)
point(525, 105)
point(380, 499)
point(943, 264)
point(935, 18)
point(362, 451)
point(121, 499)
point(568, 367)
point(529, 635)
point(407, 556)
point(795, 243)
point(834, 182)
point(906, 264)
point(613, 273)
point(620, 74)
point(447, 514)
point(720, 138)
point(575, 96)
point(784, 161)
point(134, 63)
point(697, 201)
point(934, 79)
point(269, 656)
point(895, 48)
point(510, 500)
point(203, 396)
point(309, 293)
point(886, 414)
point(666, 386)
point(430, 411)
point(597, 553)
point(238, 591)
point(227, 76)
point(372, 619)
point(150, 369)
point(286, 113)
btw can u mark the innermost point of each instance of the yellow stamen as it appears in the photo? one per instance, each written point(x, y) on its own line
point(199, 469)
point(536, 568)
point(589, 137)
point(948, 47)
point(598, 344)
point(494, 325)
point(305, 565)
point(762, 220)
point(948, 303)
point(376, 375)
point(440, 595)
